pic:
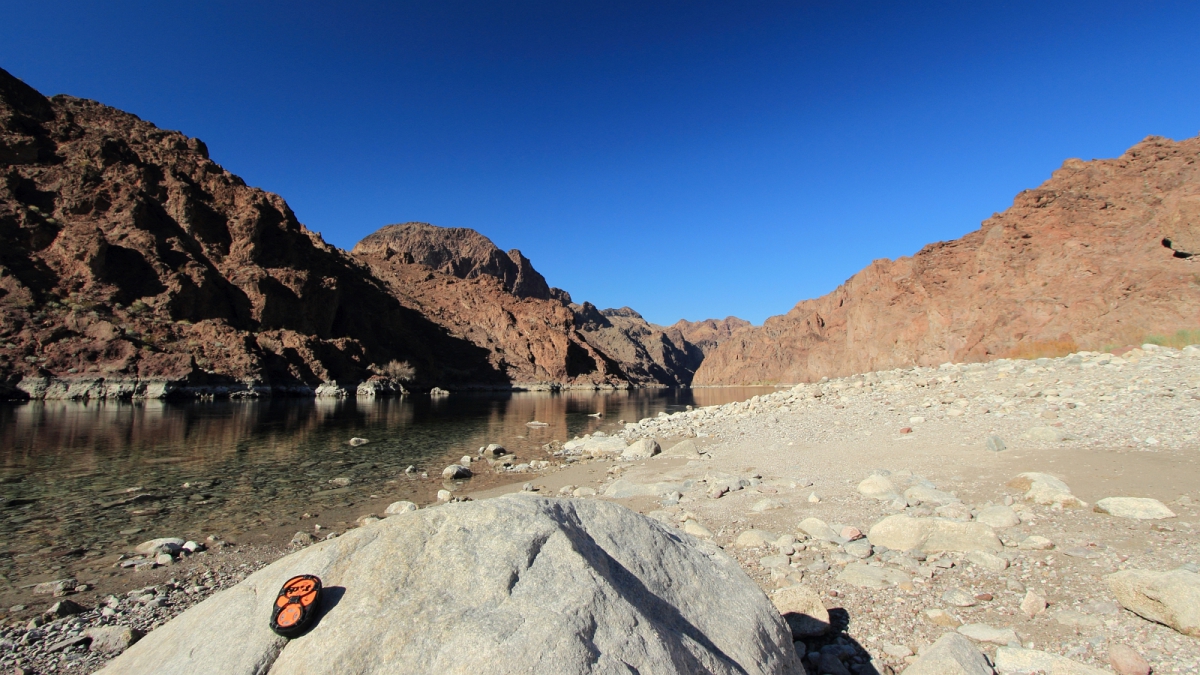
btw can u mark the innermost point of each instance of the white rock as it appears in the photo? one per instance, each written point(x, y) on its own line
point(477, 587)
point(869, 576)
point(981, 632)
point(932, 535)
point(696, 529)
point(754, 539)
point(164, 545)
point(396, 508)
point(1042, 488)
point(803, 610)
point(986, 561)
point(952, 654)
point(456, 471)
point(818, 529)
point(767, 504)
point(1018, 661)
point(643, 449)
point(444, 495)
point(877, 487)
point(1139, 508)
point(925, 494)
point(1170, 598)
point(998, 516)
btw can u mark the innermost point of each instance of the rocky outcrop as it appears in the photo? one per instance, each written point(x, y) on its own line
point(1100, 254)
point(458, 252)
point(533, 334)
point(646, 352)
point(557, 586)
point(132, 264)
point(706, 335)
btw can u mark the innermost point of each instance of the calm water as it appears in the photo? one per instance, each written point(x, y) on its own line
point(80, 480)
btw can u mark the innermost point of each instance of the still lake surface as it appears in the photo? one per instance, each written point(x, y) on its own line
point(82, 480)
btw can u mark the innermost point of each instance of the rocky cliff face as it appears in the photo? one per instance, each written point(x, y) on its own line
point(1102, 253)
point(130, 262)
point(706, 335)
point(459, 279)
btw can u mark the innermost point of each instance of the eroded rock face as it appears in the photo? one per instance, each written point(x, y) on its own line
point(1099, 254)
point(558, 586)
point(132, 264)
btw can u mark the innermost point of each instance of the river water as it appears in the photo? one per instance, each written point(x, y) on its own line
point(84, 480)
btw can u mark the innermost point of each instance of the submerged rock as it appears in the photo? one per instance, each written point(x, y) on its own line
point(558, 586)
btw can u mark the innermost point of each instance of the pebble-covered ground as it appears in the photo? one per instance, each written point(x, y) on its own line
point(762, 477)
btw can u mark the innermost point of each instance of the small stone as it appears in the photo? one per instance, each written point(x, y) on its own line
point(877, 487)
point(774, 561)
point(492, 450)
point(64, 608)
point(987, 561)
point(1139, 508)
point(959, 598)
point(754, 539)
point(813, 498)
point(642, 449)
point(952, 653)
point(998, 516)
point(1035, 543)
point(717, 491)
point(906, 430)
point(164, 559)
point(994, 443)
point(68, 643)
point(57, 587)
point(916, 419)
point(981, 632)
point(1033, 604)
point(340, 481)
point(851, 533)
point(765, 505)
point(444, 495)
point(397, 508)
point(303, 539)
point(456, 471)
point(860, 549)
point(112, 639)
point(818, 529)
point(193, 547)
point(803, 610)
point(696, 529)
point(1125, 661)
point(584, 491)
point(356, 441)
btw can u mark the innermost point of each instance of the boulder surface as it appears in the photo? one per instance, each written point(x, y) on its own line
point(514, 584)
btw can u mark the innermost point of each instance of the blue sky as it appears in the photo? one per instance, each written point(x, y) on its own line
point(688, 159)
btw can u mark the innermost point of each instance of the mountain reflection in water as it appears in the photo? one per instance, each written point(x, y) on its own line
point(87, 479)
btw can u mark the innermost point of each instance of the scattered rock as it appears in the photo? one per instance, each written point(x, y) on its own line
point(998, 517)
point(959, 598)
point(1126, 661)
point(170, 545)
point(868, 576)
point(1018, 661)
point(492, 450)
point(1035, 542)
point(64, 608)
point(952, 654)
point(766, 505)
point(878, 487)
point(942, 618)
point(57, 587)
point(396, 508)
point(1043, 488)
point(1170, 598)
point(696, 529)
point(754, 539)
point(803, 610)
point(356, 441)
point(303, 539)
point(818, 529)
point(986, 561)
point(981, 632)
point(112, 639)
point(456, 471)
point(1033, 604)
point(931, 535)
point(642, 449)
point(1139, 508)
point(994, 443)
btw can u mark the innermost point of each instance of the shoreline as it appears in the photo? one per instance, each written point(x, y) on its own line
point(801, 452)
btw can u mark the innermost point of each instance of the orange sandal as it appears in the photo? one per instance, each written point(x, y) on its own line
point(296, 605)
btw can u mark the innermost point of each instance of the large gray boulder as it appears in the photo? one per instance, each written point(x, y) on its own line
point(517, 584)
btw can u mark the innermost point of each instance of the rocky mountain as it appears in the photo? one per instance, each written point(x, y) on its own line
point(1100, 254)
point(707, 334)
point(533, 333)
point(132, 264)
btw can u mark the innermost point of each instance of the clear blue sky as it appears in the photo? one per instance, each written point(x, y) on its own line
point(688, 159)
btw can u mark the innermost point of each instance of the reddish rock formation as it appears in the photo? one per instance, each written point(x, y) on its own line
point(131, 264)
point(707, 334)
point(459, 279)
point(1097, 255)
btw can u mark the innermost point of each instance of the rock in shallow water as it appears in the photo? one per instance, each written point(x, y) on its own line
point(561, 586)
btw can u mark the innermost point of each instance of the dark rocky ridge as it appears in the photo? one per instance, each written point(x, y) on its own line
point(133, 265)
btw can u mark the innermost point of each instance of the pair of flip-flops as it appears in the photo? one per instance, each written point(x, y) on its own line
point(296, 605)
